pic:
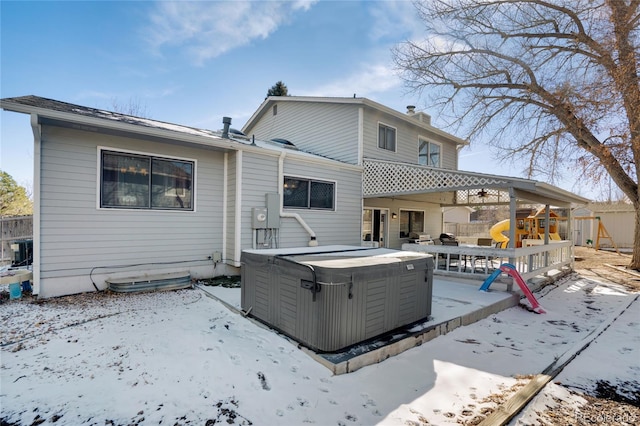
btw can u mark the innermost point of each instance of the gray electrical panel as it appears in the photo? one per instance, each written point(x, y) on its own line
point(272, 202)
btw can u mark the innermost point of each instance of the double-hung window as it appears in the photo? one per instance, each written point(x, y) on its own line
point(429, 153)
point(386, 137)
point(308, 194)
point(138, 181)
point(411, 222)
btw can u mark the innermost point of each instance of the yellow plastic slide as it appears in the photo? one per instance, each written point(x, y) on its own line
point(497, 230)
point(552, 236)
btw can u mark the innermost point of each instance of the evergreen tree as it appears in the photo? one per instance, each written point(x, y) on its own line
point(13, 197)
point(278, 89)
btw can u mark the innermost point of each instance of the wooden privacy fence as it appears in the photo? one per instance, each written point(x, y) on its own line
point(13, 229)
point(468, 229)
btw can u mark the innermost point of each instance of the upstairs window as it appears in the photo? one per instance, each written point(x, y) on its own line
point(308, 194)
point(135, 181)
point(386, 137)
point(429, 153)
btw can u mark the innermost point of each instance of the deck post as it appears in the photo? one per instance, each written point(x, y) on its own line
point(512, 231)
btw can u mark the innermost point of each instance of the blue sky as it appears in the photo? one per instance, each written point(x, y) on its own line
point(192, 63)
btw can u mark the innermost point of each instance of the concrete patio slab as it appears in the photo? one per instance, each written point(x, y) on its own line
point(454, 304)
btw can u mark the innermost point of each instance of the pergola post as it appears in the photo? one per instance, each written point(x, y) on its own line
point(546, 233)
point(512, 230)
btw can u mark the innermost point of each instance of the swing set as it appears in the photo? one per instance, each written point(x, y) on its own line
point(602, 232)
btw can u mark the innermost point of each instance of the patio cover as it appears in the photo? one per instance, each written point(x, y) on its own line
point(454, 187)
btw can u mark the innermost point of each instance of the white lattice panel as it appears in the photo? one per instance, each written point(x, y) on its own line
point(482, 196)
point(385, 178)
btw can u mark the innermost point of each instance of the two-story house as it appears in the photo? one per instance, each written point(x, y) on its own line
point(410, 168)
point(117, 196)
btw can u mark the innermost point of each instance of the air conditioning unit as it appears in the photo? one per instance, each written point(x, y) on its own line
point(22, 253)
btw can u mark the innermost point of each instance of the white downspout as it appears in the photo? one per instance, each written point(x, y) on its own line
point(37, 149)
point(312, 235)
point(225, 201)
point(360, 136)
point(238, 212)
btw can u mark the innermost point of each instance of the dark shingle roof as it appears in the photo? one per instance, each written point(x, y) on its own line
point(65, 107)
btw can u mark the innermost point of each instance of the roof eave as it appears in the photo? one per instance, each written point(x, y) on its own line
point(119, 125)
point(569, 197)
point(266, 104)
point(210, 141)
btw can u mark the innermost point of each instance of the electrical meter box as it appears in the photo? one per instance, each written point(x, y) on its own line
point(258, 218)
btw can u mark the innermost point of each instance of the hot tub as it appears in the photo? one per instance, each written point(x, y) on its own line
point(332, 297)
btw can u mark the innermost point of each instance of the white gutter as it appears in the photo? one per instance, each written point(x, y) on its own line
point(37, 139)
point(312, 241)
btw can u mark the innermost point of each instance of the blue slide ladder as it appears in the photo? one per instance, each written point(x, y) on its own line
point(511, 270)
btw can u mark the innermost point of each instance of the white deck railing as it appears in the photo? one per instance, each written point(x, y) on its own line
point(476, 262)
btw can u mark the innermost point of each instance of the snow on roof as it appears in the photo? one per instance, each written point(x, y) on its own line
point(40, 105)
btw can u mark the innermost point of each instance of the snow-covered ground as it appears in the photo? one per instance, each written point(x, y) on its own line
point(182, 357)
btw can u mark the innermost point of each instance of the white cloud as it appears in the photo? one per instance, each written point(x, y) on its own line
point(367, 80)
point(395, 20)
point(398, 21)
point(209, 29)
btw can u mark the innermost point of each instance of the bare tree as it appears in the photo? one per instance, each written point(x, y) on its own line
point(553, 82)
point(131, 107)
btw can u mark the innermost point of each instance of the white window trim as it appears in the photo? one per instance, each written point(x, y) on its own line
point(428, 140)
point(335, 194)
point(378, 137)
point(100, 149)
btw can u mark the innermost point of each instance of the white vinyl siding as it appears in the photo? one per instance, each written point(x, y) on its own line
point(340, 226)
point(330, 130)
point(259, 177)
point(406, 136)
point(76, 236)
